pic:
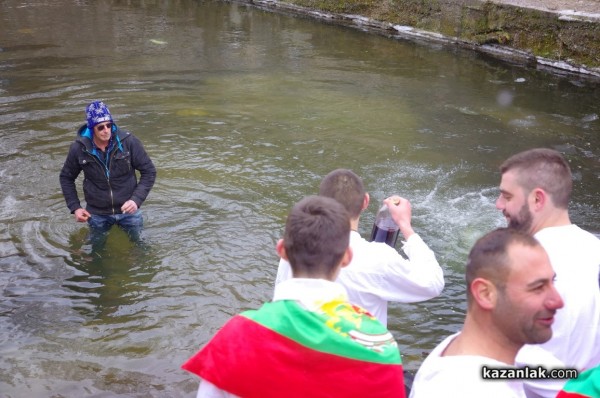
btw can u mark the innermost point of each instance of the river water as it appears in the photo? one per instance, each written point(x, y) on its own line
point(243, 111)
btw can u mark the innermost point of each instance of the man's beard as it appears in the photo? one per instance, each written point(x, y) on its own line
point(522, 222)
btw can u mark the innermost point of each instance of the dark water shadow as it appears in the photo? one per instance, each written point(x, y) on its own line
point(109, 276)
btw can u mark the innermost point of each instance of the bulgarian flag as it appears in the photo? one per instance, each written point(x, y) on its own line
point(587, 385)
point(285, 350)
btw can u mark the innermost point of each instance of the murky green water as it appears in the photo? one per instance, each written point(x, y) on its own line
point(243, 111)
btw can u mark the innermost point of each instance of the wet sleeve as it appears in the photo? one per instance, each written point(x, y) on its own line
point(142, 162)
point(70, 170)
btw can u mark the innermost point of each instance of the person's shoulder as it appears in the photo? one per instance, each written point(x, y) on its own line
point(369, 256)
point(130, 140)
point(442, 374)
point(461, 374)
point(587, 235)
point(79, 143)
point(567, 236)
point(463, 385)
point(535, 355)
point(562, 231)
point(125, 134)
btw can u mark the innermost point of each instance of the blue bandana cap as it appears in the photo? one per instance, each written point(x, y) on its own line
point(97, 112)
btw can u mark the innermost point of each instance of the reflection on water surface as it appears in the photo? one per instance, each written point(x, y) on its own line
point(243, 112)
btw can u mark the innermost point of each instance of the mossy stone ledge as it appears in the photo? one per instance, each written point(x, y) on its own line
point(564, 41)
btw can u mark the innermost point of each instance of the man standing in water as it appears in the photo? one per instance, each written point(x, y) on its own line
point(109, 158)
point(535, 190)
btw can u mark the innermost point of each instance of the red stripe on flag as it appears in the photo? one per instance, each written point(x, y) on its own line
point(566, 394)
point(249, 360)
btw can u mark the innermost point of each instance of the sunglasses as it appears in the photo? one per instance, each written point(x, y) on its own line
point(100, 127)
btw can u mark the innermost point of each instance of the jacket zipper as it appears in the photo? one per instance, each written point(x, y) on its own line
point(112, 158)
point(107, 175)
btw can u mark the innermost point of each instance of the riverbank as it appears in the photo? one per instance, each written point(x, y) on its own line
point(555, 35)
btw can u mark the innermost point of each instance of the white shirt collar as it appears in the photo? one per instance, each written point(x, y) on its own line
point(311, 293)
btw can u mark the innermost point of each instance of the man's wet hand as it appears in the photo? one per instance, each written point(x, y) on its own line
point(82, 215)
point(129, 207)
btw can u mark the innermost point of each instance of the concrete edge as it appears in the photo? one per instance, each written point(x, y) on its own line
point(410, 33)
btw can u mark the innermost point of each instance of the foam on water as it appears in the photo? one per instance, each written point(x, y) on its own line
point(449, 216)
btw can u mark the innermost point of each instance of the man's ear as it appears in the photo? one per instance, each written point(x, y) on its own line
point(280, 248)
point(484, 292)
point(539, 198)
point(366, 200)
point(347, 258)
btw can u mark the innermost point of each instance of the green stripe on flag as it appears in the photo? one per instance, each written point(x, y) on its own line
point(339, 329)
point(586, 385)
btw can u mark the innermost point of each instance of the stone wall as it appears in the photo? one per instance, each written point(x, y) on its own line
point(557, 40)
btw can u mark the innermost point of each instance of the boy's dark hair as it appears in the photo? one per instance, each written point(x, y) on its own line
point(347, 188)
point(317, 234)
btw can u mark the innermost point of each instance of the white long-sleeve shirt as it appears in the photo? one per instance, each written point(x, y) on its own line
point(378, 274)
